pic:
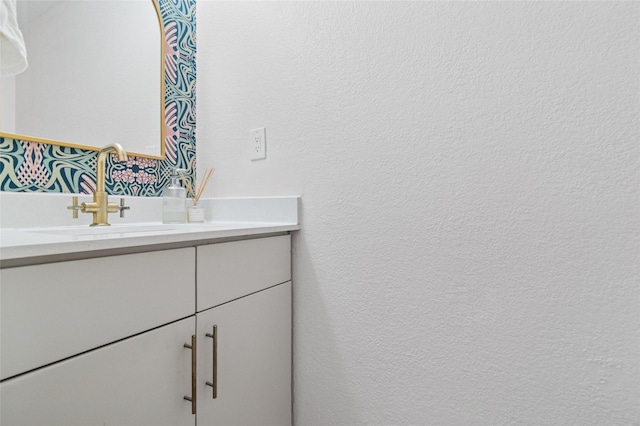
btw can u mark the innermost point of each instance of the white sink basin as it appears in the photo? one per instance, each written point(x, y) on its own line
point(113, 230)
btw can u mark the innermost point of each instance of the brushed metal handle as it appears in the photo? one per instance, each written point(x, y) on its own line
point(74, 207)
point(214, 382)
point(192, 398)
point(122, 207)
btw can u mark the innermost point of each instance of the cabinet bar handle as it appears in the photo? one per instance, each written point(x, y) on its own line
point(192, 398)
point(214, 385)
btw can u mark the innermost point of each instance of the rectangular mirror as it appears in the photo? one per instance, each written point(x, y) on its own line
point(94, 76)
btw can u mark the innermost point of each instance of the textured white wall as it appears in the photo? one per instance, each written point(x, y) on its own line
point(469, 171)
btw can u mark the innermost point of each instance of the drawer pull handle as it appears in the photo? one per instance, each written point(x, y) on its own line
point(192, 398)
point(214, 383)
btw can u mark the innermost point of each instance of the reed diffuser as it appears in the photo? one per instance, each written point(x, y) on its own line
point(195, 212)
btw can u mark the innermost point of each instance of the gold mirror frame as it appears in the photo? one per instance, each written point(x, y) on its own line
point(162, 109)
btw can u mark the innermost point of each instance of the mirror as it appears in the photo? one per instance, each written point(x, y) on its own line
point(94, 76)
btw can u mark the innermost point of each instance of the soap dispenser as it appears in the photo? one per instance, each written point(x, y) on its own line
point(174, 201)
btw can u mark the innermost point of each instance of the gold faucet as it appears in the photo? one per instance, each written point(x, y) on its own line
point(101, 207)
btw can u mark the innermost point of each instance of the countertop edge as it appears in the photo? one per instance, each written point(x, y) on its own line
point(27, 254)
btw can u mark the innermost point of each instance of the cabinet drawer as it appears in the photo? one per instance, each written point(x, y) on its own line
point(227, 271)
point(53, 311)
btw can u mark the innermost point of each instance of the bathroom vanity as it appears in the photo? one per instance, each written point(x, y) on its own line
point(164, 326)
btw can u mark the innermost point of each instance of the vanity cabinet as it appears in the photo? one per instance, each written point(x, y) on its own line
point(109, 340)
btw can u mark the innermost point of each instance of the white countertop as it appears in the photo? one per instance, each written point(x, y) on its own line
point(21, 242)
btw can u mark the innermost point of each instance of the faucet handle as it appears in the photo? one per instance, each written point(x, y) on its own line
point(122, 207)
point(75, 207)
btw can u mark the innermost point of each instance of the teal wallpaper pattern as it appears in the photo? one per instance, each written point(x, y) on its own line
point(27, 166)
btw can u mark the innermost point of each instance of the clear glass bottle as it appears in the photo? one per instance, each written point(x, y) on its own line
point(174, 201)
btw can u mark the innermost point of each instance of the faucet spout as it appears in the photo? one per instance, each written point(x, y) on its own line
point(102, 160)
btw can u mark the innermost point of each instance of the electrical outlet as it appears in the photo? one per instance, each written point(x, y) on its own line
point(258, 144)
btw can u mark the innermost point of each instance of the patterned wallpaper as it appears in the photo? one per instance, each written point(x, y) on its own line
point(27, 166)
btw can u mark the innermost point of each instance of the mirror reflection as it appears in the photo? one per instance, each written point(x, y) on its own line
point(93, 76)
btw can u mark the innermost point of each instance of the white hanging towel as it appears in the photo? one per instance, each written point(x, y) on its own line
point(13, 52)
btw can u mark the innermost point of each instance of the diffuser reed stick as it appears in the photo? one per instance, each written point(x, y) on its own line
point(195, 192)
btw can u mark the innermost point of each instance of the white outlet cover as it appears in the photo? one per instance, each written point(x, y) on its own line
point(258, 144)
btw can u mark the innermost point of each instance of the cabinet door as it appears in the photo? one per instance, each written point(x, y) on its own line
point(137, 381)
point(253, 360)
